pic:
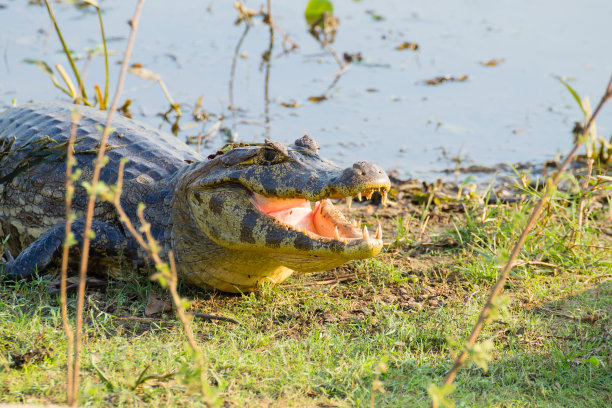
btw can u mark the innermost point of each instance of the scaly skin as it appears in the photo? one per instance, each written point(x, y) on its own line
point(234, 221)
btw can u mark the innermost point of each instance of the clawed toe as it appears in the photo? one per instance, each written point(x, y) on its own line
point(72, 284)
point(8, 257)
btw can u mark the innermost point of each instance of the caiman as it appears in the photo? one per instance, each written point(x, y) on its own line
point(249, 214)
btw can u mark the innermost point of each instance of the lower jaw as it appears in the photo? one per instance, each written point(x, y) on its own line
point(246, 272)
point(237, 282)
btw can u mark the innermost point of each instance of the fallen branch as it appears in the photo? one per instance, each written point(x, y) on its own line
point(557, 313)
point(339, 279)
point(209, 317)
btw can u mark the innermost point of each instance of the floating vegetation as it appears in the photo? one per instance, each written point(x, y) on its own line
point(323, 24)
point(317, 99)
point(492, 62)
point(446, 78)
point(407, 45)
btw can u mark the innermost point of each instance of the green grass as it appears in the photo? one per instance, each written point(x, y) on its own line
point(309, 344)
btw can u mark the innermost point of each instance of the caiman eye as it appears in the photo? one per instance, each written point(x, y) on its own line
point(265, 156)
point(270, 155)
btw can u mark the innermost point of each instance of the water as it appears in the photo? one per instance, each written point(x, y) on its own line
point(380, 109)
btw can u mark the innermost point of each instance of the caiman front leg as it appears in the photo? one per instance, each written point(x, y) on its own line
point(109, 241)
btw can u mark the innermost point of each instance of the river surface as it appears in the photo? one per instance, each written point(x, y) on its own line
point(380, 109)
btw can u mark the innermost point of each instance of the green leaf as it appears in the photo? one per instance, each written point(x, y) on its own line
point(76, 174)
point(41, 64)
point(316, 8)
point(499, 308)
point(468, 180)
point(574, 94)
point(481, 354)
point(105, 160)
point(594, 361)
point(70, 241)
point(185, 303)
point(159, 277)
point(440, 394)
point(100, 129)
point(452, 342)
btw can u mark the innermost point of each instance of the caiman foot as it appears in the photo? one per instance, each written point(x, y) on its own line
point(47, 249)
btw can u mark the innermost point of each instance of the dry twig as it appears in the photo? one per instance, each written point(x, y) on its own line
point(70, 161)
point(90, 208)
point(497, 289)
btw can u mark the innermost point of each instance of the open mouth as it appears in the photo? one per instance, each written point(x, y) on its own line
point(319, 220)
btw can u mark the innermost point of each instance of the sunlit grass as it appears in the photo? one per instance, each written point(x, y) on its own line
point(308, 344)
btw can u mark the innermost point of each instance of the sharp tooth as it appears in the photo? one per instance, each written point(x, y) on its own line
point(336, 233)
point(368, 194)
point(313, 205)
point(379, 232)
point(366, 234)
point(359, 224)
point(349, 201)
point(354, 222)
point(359, 196)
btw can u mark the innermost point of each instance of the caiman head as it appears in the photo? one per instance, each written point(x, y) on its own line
point(256, 213)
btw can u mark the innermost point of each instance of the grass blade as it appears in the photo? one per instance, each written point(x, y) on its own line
point(574, 94)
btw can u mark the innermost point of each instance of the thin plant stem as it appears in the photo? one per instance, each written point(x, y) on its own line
point(73, 94)
point(268, 67)
point(336, 57)
point(294, 45)
point(64, 271)
point(583, 201)
point(232, 108)
point(152, 248)
point(61, 88)
point(92, 196)
point(177, 301)
point(67, 52)
point(234, 63)
point(173, 105)
point(496, 290)
point(180, 311)
point(105, 100)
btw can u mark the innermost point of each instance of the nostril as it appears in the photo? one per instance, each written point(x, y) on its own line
point(363, 173)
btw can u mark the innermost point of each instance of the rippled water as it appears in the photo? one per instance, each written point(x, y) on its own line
point(380, 109)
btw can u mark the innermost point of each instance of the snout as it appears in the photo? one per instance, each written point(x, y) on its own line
point(362, 176)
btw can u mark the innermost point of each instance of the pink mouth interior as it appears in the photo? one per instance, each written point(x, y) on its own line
point(297, 213)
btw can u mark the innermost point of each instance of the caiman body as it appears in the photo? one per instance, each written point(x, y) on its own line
point(247, 215)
